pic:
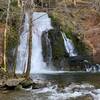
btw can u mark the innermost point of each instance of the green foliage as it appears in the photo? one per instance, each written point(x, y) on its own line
point(53, 18)
point(14, 3)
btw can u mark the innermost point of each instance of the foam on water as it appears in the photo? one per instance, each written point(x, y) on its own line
point(59, 72)
point(72, 91)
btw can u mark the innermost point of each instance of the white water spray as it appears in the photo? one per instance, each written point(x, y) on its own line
point(69, 46)
point(41, 23)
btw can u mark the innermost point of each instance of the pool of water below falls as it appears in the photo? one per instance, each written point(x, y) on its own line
point(61, 86)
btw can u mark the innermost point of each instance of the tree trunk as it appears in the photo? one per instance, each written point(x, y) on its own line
point(5, 37)
point(29, 45)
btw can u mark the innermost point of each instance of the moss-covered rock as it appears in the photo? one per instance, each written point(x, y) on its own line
point(58, 50)
point(26, 83)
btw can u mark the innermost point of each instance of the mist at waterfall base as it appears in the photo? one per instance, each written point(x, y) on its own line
point(41, 23)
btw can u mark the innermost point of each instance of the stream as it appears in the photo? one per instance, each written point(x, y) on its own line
point(61, 86)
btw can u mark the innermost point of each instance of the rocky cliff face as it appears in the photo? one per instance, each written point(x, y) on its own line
point(92, 35)
point(84, 20)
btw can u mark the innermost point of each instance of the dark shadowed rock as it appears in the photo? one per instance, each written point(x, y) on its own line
point(27, 83)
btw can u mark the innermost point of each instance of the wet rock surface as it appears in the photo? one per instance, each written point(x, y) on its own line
point(87, 97)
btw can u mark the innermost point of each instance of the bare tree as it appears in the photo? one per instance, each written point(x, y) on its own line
point(5, 36)
point(29, 7)
point(29, 45)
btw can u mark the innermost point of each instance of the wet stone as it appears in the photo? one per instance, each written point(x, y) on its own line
point(86, 97)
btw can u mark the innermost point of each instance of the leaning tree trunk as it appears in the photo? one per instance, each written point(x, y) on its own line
point(29, 9)
point(29, 45)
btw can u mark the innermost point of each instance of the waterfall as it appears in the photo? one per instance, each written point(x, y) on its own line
point(41, 23)
point(22, 53)
point(69, 46)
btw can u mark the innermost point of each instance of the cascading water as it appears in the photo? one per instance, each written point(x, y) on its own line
point(22, 53)
point(91, 67)
point(69, 46)
point(41, 23)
